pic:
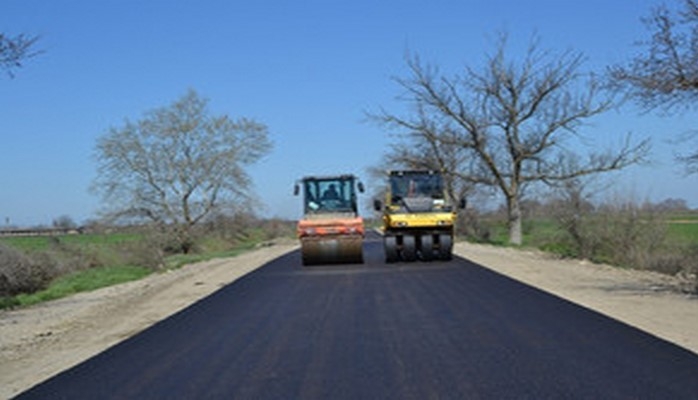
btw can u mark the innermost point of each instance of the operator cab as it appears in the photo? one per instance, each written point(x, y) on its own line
point(413, 184)
point(417, 191)
point(330, 194)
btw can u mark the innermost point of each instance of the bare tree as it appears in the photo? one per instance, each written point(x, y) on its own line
point(665, 76)
point(178, 164)
point(509, 122)
point(572, 208)
point(14, 50)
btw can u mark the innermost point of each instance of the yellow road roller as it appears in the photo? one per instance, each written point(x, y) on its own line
point(418, 220)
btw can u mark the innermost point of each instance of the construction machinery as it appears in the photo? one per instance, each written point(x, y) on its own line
point(418, 220)
point(331, 230)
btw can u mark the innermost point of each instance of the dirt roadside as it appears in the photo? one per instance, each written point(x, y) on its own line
point(39, 342)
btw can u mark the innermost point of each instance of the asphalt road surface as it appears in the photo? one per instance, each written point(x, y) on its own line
point(440, 330)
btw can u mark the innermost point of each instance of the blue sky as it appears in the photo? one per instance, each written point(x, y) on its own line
point(309, 70)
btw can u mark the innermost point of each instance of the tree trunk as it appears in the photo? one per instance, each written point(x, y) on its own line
point(514, 220)
point(184, 239)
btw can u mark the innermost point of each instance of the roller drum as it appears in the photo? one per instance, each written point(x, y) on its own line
point(340, 249)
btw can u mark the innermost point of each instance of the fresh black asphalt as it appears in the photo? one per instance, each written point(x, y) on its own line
point(439, 330)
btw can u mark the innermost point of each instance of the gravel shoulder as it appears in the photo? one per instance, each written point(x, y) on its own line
point(41, 341)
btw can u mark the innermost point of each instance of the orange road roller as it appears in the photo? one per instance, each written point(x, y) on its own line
point(331, 230)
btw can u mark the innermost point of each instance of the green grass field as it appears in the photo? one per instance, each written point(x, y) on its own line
point(43, 243)
point(534, 231)
point(82, 281)
point(685, 231)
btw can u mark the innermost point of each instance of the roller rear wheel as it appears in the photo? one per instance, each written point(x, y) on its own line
point(409, 248)
point(390, 247)
point(445, 247)
point(427, 248)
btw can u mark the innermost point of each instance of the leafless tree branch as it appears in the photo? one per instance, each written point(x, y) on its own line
point(15, 50)
point(665, 76)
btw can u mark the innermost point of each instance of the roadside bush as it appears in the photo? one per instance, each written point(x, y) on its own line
point(277, 228)
point(574, 214)
point(689, 268)
point(675, 259)
point(148, 253)
point(629, 237)
point(618, 233)
point(226, 232)
point(73, 257)
point(20, 273)
point(561, 248)
point(471, 225)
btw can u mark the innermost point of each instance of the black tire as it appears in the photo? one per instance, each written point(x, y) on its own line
point(409, 248)
point(390, 248)
point(427, 247)
point(445, 247)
